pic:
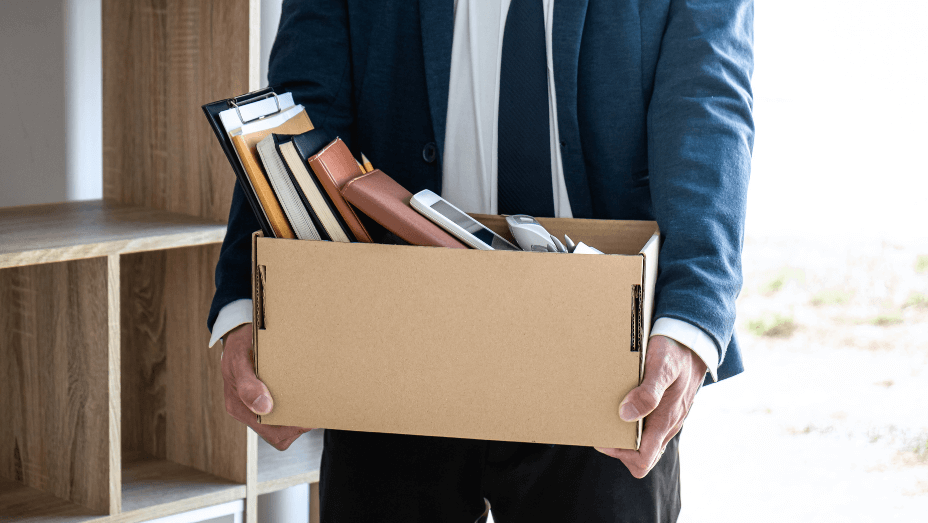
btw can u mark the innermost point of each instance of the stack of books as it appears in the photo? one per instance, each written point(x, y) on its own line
point(303, 184)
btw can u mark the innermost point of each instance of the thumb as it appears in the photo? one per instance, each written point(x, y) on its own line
point(644, 398)
point(252, 391)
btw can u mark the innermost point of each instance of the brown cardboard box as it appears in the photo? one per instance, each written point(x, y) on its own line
point(495, 345)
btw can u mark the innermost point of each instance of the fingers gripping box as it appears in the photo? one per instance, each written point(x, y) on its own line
point(512, 346)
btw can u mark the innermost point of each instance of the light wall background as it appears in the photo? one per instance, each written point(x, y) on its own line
point(51, 135)
point(33, 157)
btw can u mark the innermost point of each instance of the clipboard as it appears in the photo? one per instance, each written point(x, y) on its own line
point(246, 112)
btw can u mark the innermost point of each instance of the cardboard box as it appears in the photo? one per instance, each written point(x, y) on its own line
point(513, 346)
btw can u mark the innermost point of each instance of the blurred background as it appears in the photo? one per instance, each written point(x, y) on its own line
point(829, 422)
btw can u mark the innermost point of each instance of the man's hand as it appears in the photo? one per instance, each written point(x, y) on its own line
point(672, 375)
point(245, 394)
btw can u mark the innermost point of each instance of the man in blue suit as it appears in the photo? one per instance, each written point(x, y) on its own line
point(628, 109)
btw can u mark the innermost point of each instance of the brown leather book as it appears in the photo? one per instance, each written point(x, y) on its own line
point(387, 203)
point(246, 147)
point(335, 167)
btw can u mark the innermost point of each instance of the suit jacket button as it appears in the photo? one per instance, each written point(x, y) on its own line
point(430, 152)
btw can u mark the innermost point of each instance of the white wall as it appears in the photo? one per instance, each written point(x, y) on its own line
point(290, 505)
point(83, 99)
point(33, 150)
point(50, 101)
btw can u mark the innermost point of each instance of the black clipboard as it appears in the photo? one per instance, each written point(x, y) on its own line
point(212, 111)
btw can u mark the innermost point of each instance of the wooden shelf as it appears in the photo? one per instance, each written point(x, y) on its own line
point(67, 231)
point(153, 488)
point(113, 404)
point(297, 465)
point(21, 503)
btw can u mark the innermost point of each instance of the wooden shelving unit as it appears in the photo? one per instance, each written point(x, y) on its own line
point(113, 403)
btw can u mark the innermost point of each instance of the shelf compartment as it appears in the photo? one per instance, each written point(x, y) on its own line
point(55, 354)
point(173, 407)
point(297, 465)
point(21, 503)
point(153, 488)
point(36, 234)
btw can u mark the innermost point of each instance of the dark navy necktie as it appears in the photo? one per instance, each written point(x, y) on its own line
point(523, 143)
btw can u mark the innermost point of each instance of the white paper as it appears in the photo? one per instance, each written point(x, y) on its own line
point(267, 123)
point(583, 248)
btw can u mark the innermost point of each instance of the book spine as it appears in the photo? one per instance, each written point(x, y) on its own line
point(286, 192)
point(264, 193)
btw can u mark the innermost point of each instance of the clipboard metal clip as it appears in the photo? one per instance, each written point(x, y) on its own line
point(237, 103)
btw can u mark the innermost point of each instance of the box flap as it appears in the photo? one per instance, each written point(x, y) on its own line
point(649, 253)
point(257, 304)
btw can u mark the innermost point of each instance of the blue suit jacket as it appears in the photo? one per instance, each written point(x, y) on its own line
point(654, 109)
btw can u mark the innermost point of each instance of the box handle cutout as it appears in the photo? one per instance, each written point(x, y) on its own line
point(637, 315)
point(260, 281)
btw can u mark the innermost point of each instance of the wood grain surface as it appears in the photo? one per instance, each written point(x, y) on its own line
point(53, 380)
point(172, 397)
point(314, 503)
point(153, 489)
point(297, 465)
point(251, 498)
point(21, 503)
point(114, 412)
point(65, 231)
point(164, 59)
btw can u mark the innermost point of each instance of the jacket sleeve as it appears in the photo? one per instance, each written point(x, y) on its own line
point(700, 139)
point(310, 58)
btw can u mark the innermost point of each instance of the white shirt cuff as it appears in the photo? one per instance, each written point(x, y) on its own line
point(692, 337)
point(231, 316)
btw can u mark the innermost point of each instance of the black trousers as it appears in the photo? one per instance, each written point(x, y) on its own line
point(386, 477)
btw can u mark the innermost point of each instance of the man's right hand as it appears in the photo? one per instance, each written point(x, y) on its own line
point(245, 394)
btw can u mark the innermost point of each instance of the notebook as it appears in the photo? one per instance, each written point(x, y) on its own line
point(245, 147)
point(295, 151)
point(288, 194)
point(387, 202)
point(334, 166)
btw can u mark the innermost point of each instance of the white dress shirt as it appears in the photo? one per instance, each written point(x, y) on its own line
point(469, 169)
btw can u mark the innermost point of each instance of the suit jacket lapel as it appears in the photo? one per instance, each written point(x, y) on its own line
point(437, 20)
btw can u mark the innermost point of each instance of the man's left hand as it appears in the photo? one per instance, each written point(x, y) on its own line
point(672, 375)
